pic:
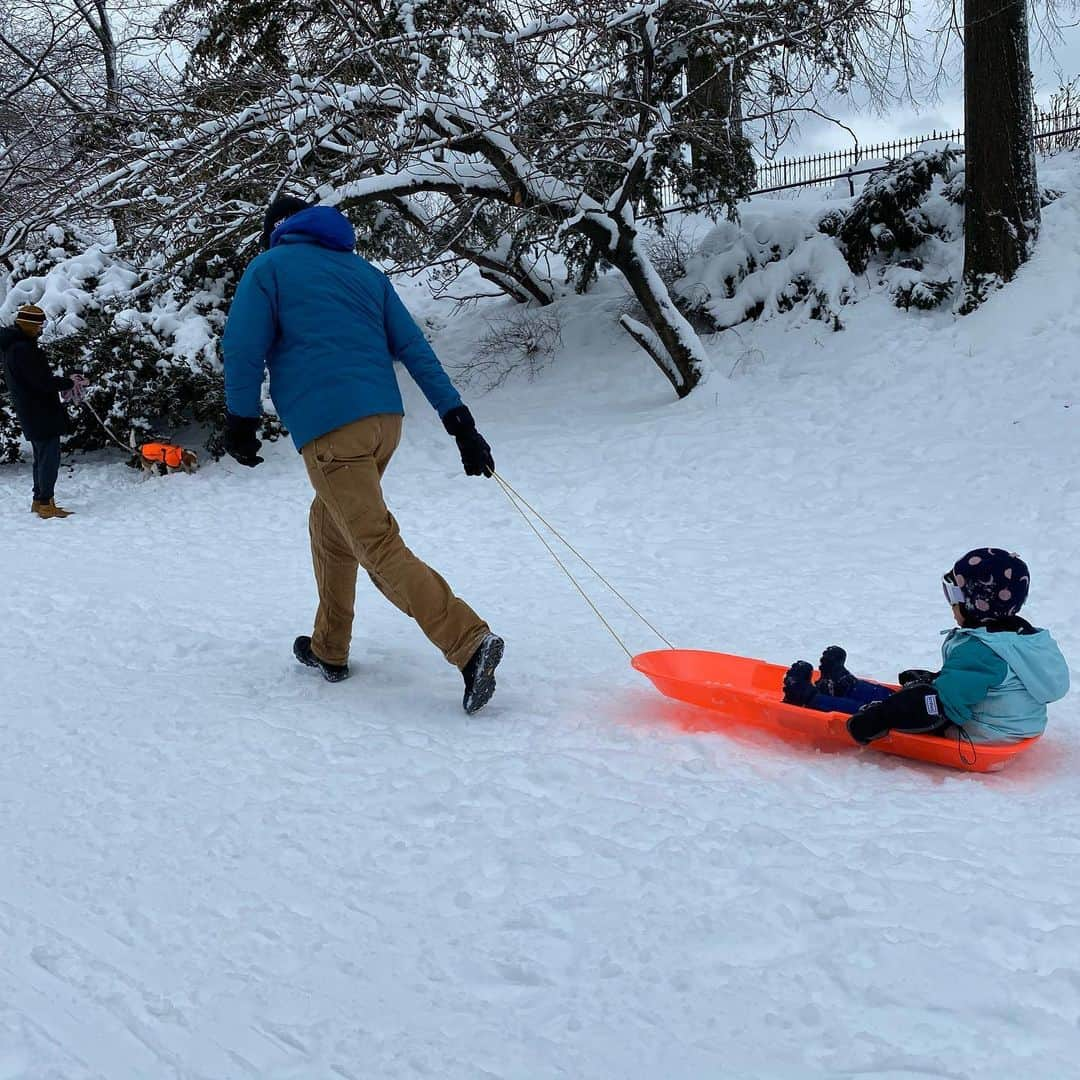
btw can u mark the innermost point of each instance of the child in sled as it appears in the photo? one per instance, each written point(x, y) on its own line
point(998, 671)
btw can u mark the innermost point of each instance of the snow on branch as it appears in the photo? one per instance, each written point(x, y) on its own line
point(555, 125)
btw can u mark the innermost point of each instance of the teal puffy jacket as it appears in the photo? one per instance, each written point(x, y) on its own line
point(329, 327)
point(996, 685)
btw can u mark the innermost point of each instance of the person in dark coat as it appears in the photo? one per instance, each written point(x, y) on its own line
point(35, 394)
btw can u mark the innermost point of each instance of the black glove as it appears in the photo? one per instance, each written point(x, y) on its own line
point(475, 452)
point(916, 677)
point(240, 440)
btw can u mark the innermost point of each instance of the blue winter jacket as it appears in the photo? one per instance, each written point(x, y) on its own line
point(996, 685)
point(329, 327)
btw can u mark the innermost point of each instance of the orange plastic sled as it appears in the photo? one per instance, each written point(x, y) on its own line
point(745, 691)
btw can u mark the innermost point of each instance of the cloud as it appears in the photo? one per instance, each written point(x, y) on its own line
point(1055, 59)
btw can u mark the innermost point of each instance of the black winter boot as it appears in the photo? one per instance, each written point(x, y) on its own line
point(479, 673)
point(835, 679)
point(331, 672)
point(798, 685)
point(916, 710)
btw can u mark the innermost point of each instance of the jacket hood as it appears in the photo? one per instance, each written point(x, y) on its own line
point(321, 225)
point(1035, 658)
point(13, 333)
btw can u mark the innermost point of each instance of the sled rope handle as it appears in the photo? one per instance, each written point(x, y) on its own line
point(520, 505)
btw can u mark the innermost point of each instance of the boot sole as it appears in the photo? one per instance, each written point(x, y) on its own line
point(483, 687)
point(309, 659)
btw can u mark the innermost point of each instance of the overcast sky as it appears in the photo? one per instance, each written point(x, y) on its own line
point(1051, 65)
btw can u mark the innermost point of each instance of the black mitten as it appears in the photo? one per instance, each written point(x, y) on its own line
point(475, 452)
point(916, 676)
point(241, 441)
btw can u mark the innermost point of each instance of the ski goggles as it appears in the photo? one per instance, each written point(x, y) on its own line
point(953, 593)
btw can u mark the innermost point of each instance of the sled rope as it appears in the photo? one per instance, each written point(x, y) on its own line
point(521, 505)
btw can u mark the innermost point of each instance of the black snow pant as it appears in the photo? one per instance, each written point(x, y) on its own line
point(46, 467)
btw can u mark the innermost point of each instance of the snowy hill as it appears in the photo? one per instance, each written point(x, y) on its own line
point(216, 865)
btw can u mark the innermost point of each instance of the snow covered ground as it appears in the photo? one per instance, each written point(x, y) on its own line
point(215, 865)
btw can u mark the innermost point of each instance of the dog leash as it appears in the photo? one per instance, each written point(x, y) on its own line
point(105, 427)
point(521, 506)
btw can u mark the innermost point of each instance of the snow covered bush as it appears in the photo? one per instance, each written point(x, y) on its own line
point(523, 341)
point(135, 390)
point(910, 287)
point(908, 221)
point(888, 216)
point(774, 261)
point(10, 437)
point(147, 341)
point(670, 249)
point(904, 233)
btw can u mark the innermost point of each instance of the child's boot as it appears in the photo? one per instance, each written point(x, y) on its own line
point(798, 684)
point(916, 710)
point(835, 679)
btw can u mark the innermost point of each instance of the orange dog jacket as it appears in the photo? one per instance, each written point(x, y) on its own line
point(163, 453)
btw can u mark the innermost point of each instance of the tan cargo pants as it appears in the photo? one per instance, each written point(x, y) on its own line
point(351, 527)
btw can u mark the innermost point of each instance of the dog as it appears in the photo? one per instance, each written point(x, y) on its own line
point(161, 458)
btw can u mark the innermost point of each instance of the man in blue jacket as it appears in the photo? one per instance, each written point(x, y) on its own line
point(329, 327)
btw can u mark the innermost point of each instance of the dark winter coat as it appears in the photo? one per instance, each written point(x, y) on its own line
point(34, 389)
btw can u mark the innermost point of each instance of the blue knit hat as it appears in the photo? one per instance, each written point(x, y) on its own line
point(994, 583)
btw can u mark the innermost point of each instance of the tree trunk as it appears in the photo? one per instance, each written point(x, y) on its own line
point(1001, 185)
point(713, 94)
point(672, 343)
point(103, 31)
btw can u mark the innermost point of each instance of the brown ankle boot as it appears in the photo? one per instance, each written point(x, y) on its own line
point(50, 510)
point(35, 506)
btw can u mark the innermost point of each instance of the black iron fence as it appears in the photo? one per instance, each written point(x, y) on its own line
point(825, 168)
point(1053, 131)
